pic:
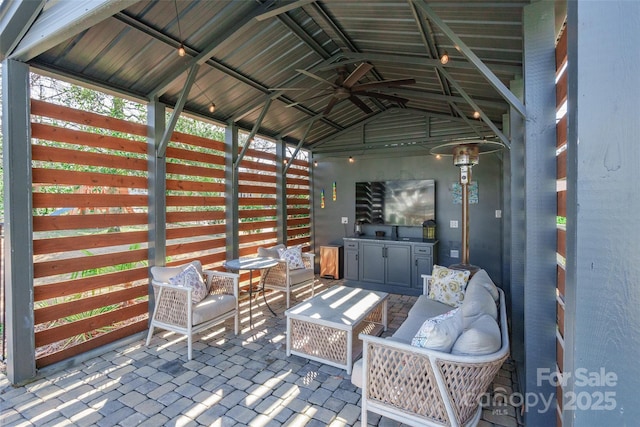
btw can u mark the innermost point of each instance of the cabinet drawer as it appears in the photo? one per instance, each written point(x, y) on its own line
point(422, 250)
point(350, 245)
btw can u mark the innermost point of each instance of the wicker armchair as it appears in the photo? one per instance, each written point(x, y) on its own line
point(282, 278)
point(174, 310)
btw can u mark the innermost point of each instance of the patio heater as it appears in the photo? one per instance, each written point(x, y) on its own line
point(466, 154)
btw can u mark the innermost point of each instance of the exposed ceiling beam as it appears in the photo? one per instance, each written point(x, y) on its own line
point(295, 153)
point(218, 43)
point(15, 19)
point(473, 58)
point(282, 9)
point(430, 46)
point(161, 148)
point(465, 118)
point(253, 132)
point(426, 62)
point(432, 96)
point(63, 20)
point(475, 106)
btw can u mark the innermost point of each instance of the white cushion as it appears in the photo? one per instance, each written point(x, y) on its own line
point(163, 274)
point(440, 332)
point(482, 337)
point(293, 256)
point(477, 302)
point(212, 306)
point(448, 285)
point(482, 278)
point(300, 275)
point(271, 252)
point(409, 328)
point(426, 307)
point(191, 278)
point(356, 373)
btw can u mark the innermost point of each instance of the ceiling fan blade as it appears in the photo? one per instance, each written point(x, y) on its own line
point(357, 74)
point(381, 84)
point(330, 105)
point(360, 103)
point(305, 100)
point(295, 88)
point(384, 96)
point(307, 73)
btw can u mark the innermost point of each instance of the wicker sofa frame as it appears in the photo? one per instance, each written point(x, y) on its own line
point(423, 387)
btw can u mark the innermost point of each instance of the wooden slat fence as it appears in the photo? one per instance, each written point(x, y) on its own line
point(90, 230)
point(561, 159)
point(196, 201)
point(299, 203)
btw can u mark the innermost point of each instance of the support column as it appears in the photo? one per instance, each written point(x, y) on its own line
point(231, 190)
point(18, 217)
point(602, 298)
point(157, 171)
point(517, 220)
point(540, 199)
point(281, 191)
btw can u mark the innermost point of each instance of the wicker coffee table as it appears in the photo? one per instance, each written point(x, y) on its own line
point(325, 328)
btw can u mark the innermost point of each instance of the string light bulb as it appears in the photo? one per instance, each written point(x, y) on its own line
point(444, 58)
point(351, 159)
point(212, 107)
point(181, 51)
point(315, 163)
point(476, 114)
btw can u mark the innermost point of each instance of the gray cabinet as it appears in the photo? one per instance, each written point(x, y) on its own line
point(422, 263)
point(351, 264)
point(389, 262)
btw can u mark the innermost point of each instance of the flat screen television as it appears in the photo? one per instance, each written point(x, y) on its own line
point(401, 202)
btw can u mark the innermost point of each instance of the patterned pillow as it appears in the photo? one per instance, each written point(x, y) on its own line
point(439, 332)
point(293, 256)
point(190, 277)
point(448, 286)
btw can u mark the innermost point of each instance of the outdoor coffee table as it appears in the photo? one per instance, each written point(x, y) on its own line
point(325, 328)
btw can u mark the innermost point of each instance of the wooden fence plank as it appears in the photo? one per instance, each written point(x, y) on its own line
point(95, 179)
point(87, 139)
point(76, 306)
point(71, 265)
point(94, 220)
point(99, 240)
point(65, 200)
point(195, 201)
point(65, 155)
point(199, 216)
point(71, 287)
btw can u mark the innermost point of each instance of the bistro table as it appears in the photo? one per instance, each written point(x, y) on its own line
point(251, 264)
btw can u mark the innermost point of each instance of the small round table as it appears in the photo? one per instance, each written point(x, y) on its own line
point(252, 263)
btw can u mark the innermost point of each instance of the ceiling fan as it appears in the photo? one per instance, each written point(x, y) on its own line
point(346, 86)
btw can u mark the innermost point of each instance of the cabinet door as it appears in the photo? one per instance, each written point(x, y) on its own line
point(351, 265)
point(398, 265)
point(372, 262)
point(421, 265)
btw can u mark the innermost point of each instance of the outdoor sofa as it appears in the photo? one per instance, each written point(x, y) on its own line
point(437, 387)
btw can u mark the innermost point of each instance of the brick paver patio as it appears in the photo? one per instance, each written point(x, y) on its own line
point(231, 381)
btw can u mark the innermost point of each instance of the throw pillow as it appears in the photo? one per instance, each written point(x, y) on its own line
point(293, 256)
point(190, 277)
point(439, 332)
point(447, 285)
point(482, 337)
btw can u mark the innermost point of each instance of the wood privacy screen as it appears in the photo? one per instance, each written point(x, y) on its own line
point(258, 203)
point(90, 221)
point(561, 159)
point(90, 230)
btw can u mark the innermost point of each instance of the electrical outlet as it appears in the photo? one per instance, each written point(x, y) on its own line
point(454, 253)
point(498, 213)
point(453, 224)
point(345, 220)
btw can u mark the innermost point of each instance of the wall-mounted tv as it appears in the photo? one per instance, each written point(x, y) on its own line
point(402, 202)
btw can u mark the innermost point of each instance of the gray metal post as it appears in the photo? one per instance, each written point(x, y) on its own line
point(602, 329)
point(517, 222)
point(157, 171)
point(18, 242)
point(231, 190)
point(540, 197)
point(281, 191)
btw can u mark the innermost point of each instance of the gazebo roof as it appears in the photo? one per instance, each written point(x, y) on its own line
point(240, 54)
